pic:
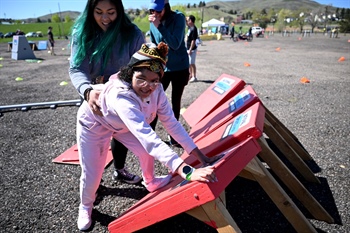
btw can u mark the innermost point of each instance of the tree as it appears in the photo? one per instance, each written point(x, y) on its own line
point(281, 16)
point(67, 19)
point(300, 18)
point(137, 12)
point(55, 18)
point(313, 20)
point(345, 22)
point(342, 13)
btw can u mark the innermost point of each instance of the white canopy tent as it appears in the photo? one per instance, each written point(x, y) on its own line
point(213, 23)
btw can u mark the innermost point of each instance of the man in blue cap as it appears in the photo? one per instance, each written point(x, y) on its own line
point(169, 26)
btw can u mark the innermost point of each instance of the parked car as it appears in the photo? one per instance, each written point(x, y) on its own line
point(39, 34)
point(31, 34)
point(1, 35)
point(256, 30)
point(9, 35)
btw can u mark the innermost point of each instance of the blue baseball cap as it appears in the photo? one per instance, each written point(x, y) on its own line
point(156, 5)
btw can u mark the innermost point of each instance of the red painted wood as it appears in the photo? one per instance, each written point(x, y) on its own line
point(231, 108)
point(179, 195)
point(225, 87)
point(252, 124)
point(71, 156)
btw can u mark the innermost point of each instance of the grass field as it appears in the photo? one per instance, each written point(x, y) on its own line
point(59, 29)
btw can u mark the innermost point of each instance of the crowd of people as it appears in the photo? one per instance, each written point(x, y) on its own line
point(122, 82)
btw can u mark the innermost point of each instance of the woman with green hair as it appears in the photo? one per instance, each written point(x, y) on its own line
point(103, 40)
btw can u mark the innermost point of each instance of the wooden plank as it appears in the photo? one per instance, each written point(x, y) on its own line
point(247, 175)
point(71, 156)
point(223, 197)
point(180, 195)
point(216, 215)
point(290, 154)
point(254, 168)
point(283, 201)
point(293, 184)
point(287, 135)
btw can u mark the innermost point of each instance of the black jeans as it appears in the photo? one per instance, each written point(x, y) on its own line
point(119, 152)
point(178, 80)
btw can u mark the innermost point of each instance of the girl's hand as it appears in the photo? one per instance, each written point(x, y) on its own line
point(205, 174)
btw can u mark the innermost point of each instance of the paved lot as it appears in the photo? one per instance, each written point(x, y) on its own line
point(40, 196)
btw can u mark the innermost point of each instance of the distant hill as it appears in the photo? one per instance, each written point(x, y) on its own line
point(217, 9)
point(44, 18)
point(246, 5)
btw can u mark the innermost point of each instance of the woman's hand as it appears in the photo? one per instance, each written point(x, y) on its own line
point(93, 102)
point(204, 174)
point(154, 19)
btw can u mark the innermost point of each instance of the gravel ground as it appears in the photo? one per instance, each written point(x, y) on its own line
point(41, 196)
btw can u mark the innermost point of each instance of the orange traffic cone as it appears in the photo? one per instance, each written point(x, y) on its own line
point(341, 59)
point(246, 64)
point(278, 49)
point(304, 80)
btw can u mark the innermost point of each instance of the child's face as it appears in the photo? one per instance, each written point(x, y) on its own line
point(105, 13)
point(144, 82)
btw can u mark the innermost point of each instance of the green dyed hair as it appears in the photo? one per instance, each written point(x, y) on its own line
point(85, 31)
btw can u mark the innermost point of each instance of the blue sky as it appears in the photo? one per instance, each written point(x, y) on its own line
point(21, 9)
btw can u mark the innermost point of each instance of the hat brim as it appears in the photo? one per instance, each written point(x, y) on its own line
point(156, 7)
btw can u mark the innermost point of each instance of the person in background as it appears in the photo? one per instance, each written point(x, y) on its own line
point(103, 40)
point(130, 100)
point(250, 31)
point(192, 46)
point(232, 30)
point(169, 26)
point(51, 39)
point(19, 32)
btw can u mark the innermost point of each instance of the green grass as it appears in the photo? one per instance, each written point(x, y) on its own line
point(59, 29)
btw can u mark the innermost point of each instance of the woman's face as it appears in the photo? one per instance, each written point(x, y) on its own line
point(144, 82)
point(105, 13)
point(158, 14)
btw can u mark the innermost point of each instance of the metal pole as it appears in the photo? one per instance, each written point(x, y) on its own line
point(52, 105)
point(59, 9)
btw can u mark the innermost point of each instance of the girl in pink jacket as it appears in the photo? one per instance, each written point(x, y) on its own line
point(129, 101)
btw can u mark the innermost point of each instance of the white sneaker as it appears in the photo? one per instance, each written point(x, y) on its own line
point(84, 218)
point(193, 79)
point(157, 183)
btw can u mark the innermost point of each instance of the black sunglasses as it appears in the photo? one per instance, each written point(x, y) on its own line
point(152, 11)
